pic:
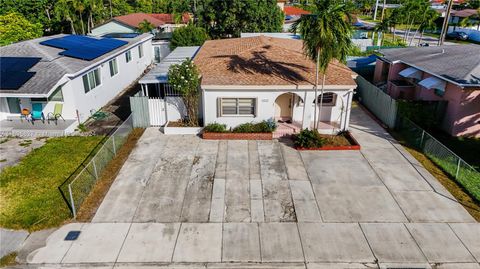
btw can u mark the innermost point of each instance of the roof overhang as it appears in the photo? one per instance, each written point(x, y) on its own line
point(272, 87)
point(411, 72)
point(429, 72)
point(433, 83)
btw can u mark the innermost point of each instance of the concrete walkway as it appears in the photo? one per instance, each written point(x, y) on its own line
point(183, 202)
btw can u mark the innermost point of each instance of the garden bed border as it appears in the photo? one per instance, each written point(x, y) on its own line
point(181, 130)
point(237, 136)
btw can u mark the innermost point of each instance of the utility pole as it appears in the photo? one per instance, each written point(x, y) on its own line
point(444, 32)
point(375, 13)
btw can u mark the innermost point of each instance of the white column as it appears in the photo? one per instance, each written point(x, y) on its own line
point(348, 110)
point(308, 98)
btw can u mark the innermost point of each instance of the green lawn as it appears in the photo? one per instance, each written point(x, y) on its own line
point(29, 193)
point(467, 148)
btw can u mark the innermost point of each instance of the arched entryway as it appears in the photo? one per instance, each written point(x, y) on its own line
point(288, 114)
point(284, 107)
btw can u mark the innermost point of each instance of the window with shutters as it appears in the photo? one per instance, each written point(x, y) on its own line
point(237, 106)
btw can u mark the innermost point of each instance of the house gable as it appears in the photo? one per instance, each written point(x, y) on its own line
point(112, 27)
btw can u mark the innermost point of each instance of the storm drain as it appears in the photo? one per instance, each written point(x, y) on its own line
point(72, 236)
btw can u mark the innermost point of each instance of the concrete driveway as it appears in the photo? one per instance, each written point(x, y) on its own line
point(184, 201)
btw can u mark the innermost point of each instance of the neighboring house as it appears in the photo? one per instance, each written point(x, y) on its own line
point(447, 73)
point(292, 14)
point(164, 26)
point(163, 23)
point(83, 75)
point(472, 28)
point(263, 78)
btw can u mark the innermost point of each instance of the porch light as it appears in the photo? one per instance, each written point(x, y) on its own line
point(433, 83)
point(411, 73)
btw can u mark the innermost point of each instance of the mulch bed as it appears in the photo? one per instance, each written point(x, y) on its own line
point(178, 124)
point(344, 141)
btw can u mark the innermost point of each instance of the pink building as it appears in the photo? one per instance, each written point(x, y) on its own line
point(446, 73)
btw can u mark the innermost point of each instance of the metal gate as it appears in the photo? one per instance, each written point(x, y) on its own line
point(156, 109)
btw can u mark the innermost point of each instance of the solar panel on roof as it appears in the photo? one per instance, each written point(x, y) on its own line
point(121, 35)
point(84, 47)
point(14, 71)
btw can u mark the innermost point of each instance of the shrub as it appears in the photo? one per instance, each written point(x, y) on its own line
point(215, 128)
point(308, 139)
point(261, 127)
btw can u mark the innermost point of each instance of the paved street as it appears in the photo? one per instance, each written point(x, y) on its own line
point(181, 201)
point(430, 40)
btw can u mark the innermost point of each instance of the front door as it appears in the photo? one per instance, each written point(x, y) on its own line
point(283, 107)
point(14, 105)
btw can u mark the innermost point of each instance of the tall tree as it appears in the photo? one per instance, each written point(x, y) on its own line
point(228, 18)
point(64, 11)
point(189, 35)
point(326, 35)
point(14, 27)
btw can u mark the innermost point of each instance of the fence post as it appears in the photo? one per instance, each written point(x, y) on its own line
point(421, 140)
point(113, 142)
point(95, 168)
point(458, 168)
point(71, 201)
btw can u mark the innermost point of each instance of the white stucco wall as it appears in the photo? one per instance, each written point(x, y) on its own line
point(74, 97)
point(266, 106)
point(111, 27)
point(110, 86)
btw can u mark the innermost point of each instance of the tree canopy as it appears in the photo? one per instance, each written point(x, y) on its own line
point(228, 18)
point(14, 27)
point(189, 35)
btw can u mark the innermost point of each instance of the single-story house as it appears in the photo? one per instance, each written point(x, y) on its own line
point(164, 23)
point(446, 73)
point(81, 73)
point(264, 78)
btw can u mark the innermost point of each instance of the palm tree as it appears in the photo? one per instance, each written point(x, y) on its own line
point(382, 27)
point(326, 36)
point(145, 26)
point(428, 23)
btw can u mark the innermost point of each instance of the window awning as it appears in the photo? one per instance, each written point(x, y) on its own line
point(433, 83)
point(411, 73)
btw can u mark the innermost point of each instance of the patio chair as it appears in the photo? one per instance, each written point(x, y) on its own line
point(56, 114)
point(37, 113)
point(25, 114)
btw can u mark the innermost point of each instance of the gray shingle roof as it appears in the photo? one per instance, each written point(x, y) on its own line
point(457, 63)
point(52, 66)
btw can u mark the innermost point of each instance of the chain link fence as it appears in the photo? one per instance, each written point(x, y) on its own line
point(467, 176)
point(77, 187)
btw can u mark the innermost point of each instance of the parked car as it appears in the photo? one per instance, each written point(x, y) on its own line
point(458, 35)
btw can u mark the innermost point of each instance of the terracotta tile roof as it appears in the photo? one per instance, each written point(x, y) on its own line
point(134, 19)
point(294, 11)
point(170, 18)
point(157, 19)
point(263, 61)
